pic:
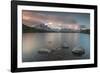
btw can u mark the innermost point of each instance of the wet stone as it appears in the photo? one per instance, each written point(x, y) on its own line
point(78, 51)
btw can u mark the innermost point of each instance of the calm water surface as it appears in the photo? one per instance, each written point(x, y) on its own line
point(34, 42)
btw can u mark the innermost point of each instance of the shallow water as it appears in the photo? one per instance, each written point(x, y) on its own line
point(34, 42)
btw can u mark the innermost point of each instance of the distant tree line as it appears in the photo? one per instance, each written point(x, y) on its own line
point(87, 31)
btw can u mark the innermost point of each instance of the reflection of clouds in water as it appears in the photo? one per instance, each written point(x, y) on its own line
point(29, 43)
point(53, 40)
point(33, 42)
point(49, 40)
point(72, 39)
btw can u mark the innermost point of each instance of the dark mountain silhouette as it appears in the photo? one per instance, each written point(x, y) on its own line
point(31, 29)
point(42, 28)
point(87, 31)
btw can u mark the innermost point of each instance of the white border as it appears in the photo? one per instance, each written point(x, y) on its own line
point(53, 63)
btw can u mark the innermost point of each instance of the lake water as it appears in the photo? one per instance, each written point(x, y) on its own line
point(34, 42)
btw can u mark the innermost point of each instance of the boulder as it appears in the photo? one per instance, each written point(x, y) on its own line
point(78, 51)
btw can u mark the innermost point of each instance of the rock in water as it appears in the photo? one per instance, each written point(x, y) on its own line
point(78, 51)
point(44, 51)
point(65, 45)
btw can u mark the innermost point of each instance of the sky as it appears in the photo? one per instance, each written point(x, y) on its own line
point(54, 18)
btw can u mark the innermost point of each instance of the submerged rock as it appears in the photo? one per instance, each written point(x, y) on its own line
point(65, 45)
point(44, 51)
point(78, 51)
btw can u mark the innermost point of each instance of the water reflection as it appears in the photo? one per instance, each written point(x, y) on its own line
point(33, 42)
